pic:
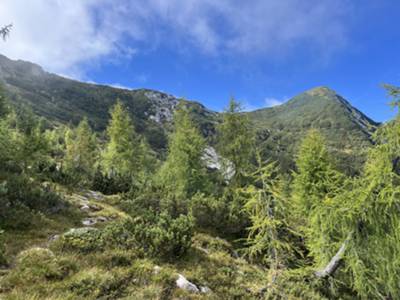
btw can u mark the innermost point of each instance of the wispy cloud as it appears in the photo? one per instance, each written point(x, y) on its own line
point(271, 102)
point(69, 36)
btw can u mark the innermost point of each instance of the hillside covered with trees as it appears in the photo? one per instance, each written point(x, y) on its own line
point(98, 213)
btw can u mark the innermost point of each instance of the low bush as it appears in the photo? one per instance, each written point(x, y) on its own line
point(80, 239)
point(153, 235)
point(22, 199)
point(163, 236)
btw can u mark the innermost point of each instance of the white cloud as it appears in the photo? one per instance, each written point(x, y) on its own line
point(65, 36)
point(271, 102)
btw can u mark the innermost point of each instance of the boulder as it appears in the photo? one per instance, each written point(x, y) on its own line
point(185, 284)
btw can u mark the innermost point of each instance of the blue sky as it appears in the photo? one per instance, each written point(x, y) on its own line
point(262, 52)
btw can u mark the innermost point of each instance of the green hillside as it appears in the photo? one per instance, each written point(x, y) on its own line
point(348, 131)
point(279, 129)
point(62, 100)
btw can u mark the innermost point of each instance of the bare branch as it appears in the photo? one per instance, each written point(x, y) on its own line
point(334, 263)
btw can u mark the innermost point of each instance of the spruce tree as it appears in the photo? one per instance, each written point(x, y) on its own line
point(81, 152)
point(120, 157)
point(183, 173)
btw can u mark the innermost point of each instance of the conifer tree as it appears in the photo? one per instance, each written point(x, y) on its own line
point(81, 152)
point(315, 183)
point(267, 208)
point(32, 146)
point(236, 140)
point(120, 157)
point(6, 149)
point(183, 173)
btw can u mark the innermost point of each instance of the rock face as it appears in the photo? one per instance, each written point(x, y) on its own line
point(163, 106)
point(215, 162)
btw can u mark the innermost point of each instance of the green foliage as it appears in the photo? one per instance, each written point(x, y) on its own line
point(236, 139)
point(269, 232)
point(23, 199)
point(80, 239)
point(32, 147)
point(37, 265)
point(207, 211)
point(183, 174)
point(315, 183)
point(281, 129)
point(394, 93)
point(374, 249)
point(81, 153)
point(120, 157)
point(163, 236)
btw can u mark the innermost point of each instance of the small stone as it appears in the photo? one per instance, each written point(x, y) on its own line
point(156, 269)
point(89, 222)
point(85, 207)
point(205, 290)
point(54, 237)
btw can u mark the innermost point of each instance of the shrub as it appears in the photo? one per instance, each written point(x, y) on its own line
point(207, 211)
point(154, 235)
point(96, 283)
point(162, 236)
point(22, 197)
point(119, 235)
point(80, 239)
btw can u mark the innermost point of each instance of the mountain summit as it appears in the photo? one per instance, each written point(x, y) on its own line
point(280, 128)
point(348, 131)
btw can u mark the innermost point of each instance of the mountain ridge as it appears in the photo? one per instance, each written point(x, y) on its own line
point(279, 129)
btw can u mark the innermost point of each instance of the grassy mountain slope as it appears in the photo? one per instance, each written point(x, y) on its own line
point(347, 130)
point(59, 99)
point(279, 128)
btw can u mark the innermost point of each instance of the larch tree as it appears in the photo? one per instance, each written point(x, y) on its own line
point(81, 152)
point(267, 209)
point(315, 184)
point(120, 157)
point(370, 218)
point(235, 141)
point(183, 173)
point(32, 146)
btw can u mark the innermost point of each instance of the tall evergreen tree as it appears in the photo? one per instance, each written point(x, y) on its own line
point(183, 173)
point(120, 157)
point(236, 140)
point(81, 152)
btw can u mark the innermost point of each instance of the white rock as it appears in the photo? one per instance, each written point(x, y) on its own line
point(214, 161)
point(156, 269)
point(185, 284)
point(89, 222)
point(85, 207)
point(205, 290)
